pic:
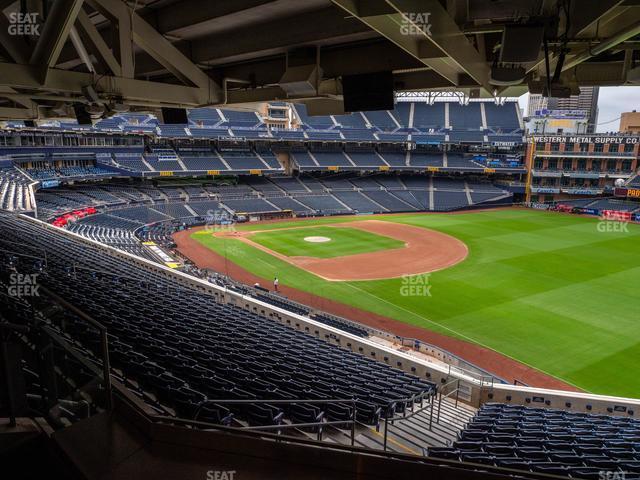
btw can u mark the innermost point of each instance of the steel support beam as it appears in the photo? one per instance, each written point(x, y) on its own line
point(629, 32)
point(594, 21)
point(437, 43)
point(586, 14)
point(15, 46)
point(161, 49)
point(134, 92)
point(55, 32)
point(18, 113)
point(118, 14)
point(190, 17)
point(443, 32)
point(96, 44)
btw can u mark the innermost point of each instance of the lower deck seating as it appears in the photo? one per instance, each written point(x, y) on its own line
point(289, 203)
point(342, 324)
point(14, 190)
point(178, 344)
point(416, 198)
point(120, 238)
point(331, 159)
point(549, 441)
point(389, 201)
point(358, 202)
point(333, 193)
point(449, 200)
point(249, 205)
point(610, 204)
point(323, 203)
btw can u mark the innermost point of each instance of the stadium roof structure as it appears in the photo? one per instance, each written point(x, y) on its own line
point(115, 55)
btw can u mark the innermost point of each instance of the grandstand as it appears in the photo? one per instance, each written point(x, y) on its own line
point(222, 257)
point(547, 441)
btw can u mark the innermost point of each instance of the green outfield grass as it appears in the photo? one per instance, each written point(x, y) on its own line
point(344, 241)
point(550, 290)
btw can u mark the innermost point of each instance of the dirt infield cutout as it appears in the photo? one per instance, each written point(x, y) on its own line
point(424, 251)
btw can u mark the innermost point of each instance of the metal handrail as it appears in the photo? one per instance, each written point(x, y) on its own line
point(447, 384)
point(106, 366)
point(405, 417)
point(279, 427)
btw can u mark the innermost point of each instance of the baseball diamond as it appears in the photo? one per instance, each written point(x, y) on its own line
point(345, 239)
point(495, 266)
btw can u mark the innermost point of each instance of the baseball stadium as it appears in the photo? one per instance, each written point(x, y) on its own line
point(266, 239)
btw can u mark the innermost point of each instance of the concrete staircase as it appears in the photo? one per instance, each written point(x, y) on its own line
point(412, 435)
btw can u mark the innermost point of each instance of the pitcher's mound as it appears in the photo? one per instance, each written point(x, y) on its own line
point(317, 239)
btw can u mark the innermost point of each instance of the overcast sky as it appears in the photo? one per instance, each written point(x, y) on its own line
point(611, 103)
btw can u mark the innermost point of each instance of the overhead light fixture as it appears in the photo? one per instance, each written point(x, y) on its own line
point(94, 110)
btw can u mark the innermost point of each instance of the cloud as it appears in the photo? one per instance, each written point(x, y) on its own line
point(614, 101)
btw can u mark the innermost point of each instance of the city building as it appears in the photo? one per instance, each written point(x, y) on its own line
point(630, 122)
point(573, 166)
point(587, 101)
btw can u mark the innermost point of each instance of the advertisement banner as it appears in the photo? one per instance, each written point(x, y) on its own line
point(49, 183)
point(616, 215)
point(620, 192)
point(587, 211)
point(564, 208)
point(633, 192)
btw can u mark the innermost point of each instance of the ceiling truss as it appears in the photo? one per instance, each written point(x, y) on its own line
point(187, 53)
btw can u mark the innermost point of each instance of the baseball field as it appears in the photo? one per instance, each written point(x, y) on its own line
point(553, 291)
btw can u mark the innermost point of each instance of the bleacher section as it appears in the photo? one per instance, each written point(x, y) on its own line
point(503, 118)
point(358, 202)
point(238, 142)
point(543, 440)
point(14, 191)
point(240, 119)
point(444, 200)
point(612, 204)
point(60, 172)
point(122, 239)
point(465, 117)
point(426, 117)
point(131, 161)
point(305, 195)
